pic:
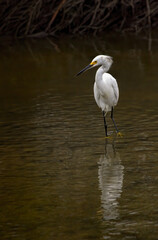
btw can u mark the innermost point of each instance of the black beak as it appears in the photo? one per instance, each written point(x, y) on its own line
point(83, 70)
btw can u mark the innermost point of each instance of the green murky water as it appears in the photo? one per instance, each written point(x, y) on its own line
point(59, 177)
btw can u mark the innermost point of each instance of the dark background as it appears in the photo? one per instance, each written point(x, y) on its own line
point(41, 18)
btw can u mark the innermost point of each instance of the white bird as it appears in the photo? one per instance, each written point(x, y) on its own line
point(106, 91)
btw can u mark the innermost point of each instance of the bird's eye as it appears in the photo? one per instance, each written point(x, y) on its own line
point(93, 63)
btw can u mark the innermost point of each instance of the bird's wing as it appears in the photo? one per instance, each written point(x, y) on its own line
point(110, 83)
point(115, 89)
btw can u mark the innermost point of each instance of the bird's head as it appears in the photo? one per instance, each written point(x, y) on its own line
point(100, 60)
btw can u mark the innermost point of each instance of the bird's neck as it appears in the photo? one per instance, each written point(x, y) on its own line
point(103, 69)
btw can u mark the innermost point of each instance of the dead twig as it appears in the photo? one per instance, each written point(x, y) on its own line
point(42, 18)
point(55, 14)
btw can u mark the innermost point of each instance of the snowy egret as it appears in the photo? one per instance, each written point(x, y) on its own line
point(106, 91)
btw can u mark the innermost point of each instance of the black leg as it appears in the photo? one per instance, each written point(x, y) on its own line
point(105, 125)
point(112, 114)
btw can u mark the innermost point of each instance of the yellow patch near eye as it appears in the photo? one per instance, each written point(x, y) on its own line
point(93, 63)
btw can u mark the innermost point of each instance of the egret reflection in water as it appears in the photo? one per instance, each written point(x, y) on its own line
point(110, 174)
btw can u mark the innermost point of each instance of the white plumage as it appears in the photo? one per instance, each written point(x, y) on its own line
point(106, 91)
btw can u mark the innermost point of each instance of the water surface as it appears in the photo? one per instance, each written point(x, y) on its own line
point(59, 177)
